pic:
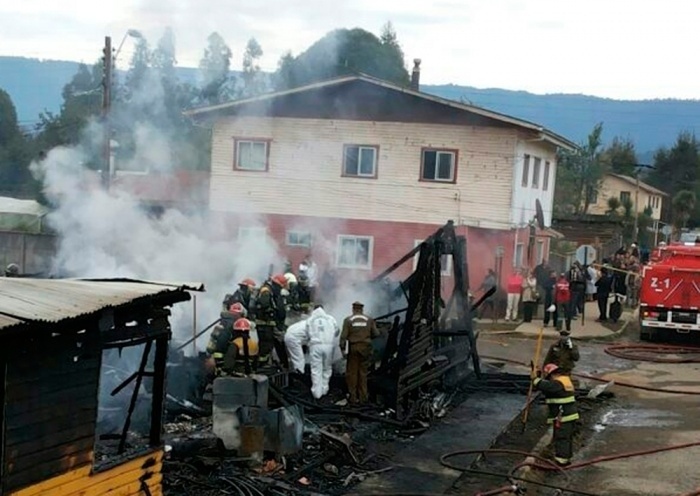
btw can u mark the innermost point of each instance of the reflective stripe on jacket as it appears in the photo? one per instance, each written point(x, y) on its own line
point(560, 398)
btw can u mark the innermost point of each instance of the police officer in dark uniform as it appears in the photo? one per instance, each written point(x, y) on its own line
point(564, 353)
point(357, 334)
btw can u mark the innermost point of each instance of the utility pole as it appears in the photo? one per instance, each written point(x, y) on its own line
point(636, 208)
point(106, 104)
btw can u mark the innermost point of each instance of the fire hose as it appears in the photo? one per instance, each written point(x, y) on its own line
point(592, 377)
point(646, 352)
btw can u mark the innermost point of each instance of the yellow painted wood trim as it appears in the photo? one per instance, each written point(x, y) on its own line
point(81, 478)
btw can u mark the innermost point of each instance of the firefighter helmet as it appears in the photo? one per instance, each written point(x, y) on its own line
point(290, 278)
point(280, 280)
point(549, 368)
point(237, 308)
point(12, 270)
point(242, 325)
point(247, 282)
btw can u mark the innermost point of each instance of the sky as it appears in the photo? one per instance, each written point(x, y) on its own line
point(624, 49)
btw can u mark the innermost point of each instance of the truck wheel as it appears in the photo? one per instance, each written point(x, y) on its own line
point(646, 333)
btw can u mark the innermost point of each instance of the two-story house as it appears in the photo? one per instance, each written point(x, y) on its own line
point(627, 189)
point(358, 171)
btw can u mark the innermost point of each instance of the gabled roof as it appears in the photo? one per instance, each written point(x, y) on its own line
point(642, 185)
point(543, 133)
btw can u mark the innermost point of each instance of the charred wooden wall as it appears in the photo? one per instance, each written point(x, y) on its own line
point(51, 397)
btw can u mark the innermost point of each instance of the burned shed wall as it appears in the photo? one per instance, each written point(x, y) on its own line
point(51, 405)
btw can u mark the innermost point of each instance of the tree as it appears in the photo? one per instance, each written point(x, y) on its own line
point(139, 67)
point(613, 205)
point(683, 206)
point(677, 169)
point(215, 67)
point(580, 174)
point(82, 101)
point(15, 177)
point(390, 41)
point(252, 82)
point(620, 156)
point(345, 51)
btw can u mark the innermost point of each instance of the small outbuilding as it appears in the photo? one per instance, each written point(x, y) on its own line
point(59, 342)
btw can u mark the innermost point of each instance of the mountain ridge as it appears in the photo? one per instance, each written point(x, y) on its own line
point(35, 86)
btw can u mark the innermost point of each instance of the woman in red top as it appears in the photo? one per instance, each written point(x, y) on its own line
point(514, 287)
point(562, 300)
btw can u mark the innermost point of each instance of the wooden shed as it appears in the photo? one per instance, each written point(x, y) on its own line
point(53, 337)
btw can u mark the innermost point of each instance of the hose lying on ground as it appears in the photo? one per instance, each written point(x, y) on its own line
point(642, 352)
point(602, 379)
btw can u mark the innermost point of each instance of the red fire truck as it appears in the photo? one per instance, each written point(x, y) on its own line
point(670, 293)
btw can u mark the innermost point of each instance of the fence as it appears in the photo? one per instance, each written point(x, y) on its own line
point(32, 252)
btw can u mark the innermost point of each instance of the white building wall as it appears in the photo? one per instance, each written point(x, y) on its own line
point(306, 159)
point(531, 185)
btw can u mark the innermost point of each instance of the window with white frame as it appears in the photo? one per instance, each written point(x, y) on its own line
point(360, 161)
point(518, 255)
point(438, 165)
point(252, 234)
point(445, 260)
point(354, 252)
point(536, 172)
point(299, 238)
point(251, 155)
point(545, 177)
point(526, 170)
point(625, 197)
point(540, 251)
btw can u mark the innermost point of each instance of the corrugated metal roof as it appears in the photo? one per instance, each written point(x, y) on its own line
point(53, 300)
point(6, 321)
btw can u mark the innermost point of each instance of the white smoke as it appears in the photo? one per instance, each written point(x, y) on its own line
point(105, 234)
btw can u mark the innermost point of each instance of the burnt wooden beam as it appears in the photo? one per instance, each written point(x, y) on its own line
point(134, 396)
point(158, 393)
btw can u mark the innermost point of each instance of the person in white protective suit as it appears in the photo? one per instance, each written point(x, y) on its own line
point(324, 337)
point(295, 338)
point(320, 332)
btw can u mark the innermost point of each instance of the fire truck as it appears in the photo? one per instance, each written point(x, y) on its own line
point(670, 292)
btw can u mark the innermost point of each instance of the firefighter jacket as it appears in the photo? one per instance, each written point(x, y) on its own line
point(563, 356)
point(304, 297)
point(358, 329)
point(559, 397)
point(269, 309)
point(242, 296)
point(219, 342)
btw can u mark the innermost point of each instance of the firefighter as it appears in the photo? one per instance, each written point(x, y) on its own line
point(304, 293)
point(564, 353)
point(243, 295)
point(356, 346)
point(221, 338)
point(241, 356)
point(560, 398)
point(290, 295)
point(270, 315)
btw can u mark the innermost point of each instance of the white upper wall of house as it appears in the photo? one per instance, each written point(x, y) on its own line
point(534, 179)
point(304, 171)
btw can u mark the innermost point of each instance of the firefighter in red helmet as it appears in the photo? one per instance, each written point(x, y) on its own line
point(243, 295)
point(221, 338)
point(559, 393)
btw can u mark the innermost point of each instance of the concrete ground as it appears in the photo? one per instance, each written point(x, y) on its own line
point(635, 420)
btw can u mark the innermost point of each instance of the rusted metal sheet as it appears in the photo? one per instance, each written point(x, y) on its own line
point(55, 300)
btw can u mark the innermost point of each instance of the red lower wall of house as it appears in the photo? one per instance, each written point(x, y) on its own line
point(391, 241)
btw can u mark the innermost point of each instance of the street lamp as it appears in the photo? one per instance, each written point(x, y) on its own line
point(130, 33)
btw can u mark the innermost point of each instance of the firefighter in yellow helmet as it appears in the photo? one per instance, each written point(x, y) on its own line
point(559, 393)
